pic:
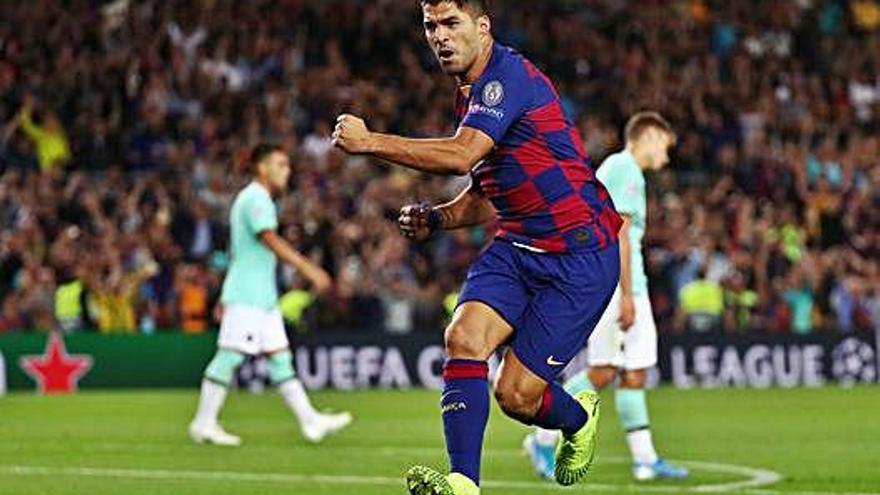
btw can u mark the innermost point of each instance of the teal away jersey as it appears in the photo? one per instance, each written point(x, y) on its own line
point(251, 279)
point(625, 182)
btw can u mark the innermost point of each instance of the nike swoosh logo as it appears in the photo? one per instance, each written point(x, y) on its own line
point(553, 362)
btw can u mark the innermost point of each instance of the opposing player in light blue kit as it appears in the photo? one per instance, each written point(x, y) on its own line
point(624, 343)
point(252, 323)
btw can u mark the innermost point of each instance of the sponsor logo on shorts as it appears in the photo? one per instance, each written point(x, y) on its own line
point(553, 362)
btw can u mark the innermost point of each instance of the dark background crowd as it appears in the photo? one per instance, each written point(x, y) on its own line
point(123, 125)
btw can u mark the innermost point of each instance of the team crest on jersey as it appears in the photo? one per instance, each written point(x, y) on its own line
point(493, 93)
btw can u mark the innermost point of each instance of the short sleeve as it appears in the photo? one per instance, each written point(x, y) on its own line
point(500, 98)
point(260, 214)
point(621, 185)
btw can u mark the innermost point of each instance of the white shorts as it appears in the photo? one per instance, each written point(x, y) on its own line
point(252, 330)
point(631, 350)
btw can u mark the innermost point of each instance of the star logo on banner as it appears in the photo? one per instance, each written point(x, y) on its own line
point(56, 372)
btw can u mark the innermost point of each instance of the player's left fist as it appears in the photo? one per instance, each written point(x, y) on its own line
point(351, 134)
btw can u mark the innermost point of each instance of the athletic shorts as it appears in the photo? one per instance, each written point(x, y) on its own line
point(633, 349)
point(552, 300)
point(252, 330)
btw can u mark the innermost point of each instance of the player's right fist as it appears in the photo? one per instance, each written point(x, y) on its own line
point(351, 134)
point(415, 222)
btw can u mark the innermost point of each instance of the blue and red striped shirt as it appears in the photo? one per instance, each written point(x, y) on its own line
point(538, 176)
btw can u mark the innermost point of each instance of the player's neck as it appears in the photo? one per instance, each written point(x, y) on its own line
point(480, 64)
point(640, 159)
point(265, 185)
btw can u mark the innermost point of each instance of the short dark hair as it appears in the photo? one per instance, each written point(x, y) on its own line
point(476, 7)
point(259, 153)
point(642, 121)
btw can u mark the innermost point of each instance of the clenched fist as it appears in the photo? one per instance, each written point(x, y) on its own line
point(417, 221)
point(351, 134)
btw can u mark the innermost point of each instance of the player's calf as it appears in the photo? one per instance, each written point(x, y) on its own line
point(516, 403)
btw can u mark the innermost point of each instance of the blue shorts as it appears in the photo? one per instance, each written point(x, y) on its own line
point(552, 301)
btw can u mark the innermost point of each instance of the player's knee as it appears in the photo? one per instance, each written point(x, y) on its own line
point(601, 378)
point(280, 366)
point(516, 402)
point(465, 342)
point(634, 379)
point(222, 368)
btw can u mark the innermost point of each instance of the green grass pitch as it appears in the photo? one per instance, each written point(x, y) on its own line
point(817, 441)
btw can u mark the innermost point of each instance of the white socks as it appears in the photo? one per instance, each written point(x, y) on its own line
point(642, 446)
point(298, 401)
point(210, 402)
point(213, 395)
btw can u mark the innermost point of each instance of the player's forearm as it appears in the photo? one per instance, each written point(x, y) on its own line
point(625, 261)
point(433, 156)
point(469, 209)
point(287, 254)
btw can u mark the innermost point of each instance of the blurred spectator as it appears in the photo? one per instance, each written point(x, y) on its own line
point(192, 288)
point(11, 317)
point(138, 112)
point(799, 297)
point(701, 304)
point(113, 296)
point(50, 141)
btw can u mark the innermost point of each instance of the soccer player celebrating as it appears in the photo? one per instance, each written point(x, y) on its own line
point(624, 343)
point(252, 323)
point(543, 283)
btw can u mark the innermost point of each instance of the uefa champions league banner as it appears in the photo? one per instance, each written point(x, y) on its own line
point(340, 362)
point(706, 361)
point(349, 361)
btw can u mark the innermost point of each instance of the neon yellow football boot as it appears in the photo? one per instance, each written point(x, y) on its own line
point(422, 480)
point(574, 454)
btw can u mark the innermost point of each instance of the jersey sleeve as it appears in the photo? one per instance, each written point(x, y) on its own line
point(620, 184)
point(501, 98)
point(260, 214)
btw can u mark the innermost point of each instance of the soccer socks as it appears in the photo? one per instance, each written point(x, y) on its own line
point(297, 400)
point(280, 366)
point(560, 411)
point(465, 407)
point(218, 376)
point(578, 383)
point(632, 408)
point(221, 369)
point(291, 389)
point(211, 400)
point(575, 385)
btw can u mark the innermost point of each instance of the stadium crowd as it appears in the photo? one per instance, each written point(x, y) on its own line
point(123, 125)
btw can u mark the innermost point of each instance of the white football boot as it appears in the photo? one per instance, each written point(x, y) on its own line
point(202, 433)
point(325, 424)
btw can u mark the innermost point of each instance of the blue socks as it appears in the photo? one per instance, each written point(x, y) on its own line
point(560, 411)
point(465, 406)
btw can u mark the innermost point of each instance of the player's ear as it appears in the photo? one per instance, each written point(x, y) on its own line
point(484, 25)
